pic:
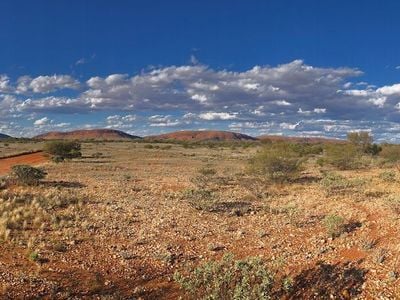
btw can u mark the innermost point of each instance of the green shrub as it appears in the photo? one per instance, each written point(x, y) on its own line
point(390, 153)
point(337, 184)
point(279, 162)
point(207, 171)
point(28, 175)
point(57, 159)
point(63, 149)
point(343, 157)
point(335, 225)
point(201, 199)
point(228, 279)
point(166, 147)
point(34, 256)
point(305, 149)
point(388, 176)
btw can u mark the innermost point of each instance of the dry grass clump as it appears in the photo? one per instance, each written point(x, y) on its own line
point(388, 176)
point(390, 153)
point(334, 183)
point(24, 212)
point(394, 203)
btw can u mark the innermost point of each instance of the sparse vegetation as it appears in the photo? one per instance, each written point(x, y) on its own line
point(334, 225)
point(388, 176)
point(334, 183)
point(28, 175)
point(342, 157)
point(61, 150)
point(154, 212)
point(228, 279)
point(279, 163)
point(390, 153)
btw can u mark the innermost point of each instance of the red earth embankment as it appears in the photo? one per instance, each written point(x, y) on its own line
point(23, 159)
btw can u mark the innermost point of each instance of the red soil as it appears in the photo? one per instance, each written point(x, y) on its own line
point(25, 159)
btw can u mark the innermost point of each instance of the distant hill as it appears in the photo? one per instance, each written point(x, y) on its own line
point(90, 134)
point(4, 136)
point(311, 140)
point(206, 135)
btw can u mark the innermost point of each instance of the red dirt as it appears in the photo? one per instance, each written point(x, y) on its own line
point(93, 134)
point(206, 135)
point(27, 159)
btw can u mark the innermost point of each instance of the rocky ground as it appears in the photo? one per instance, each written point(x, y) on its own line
point(134, 224)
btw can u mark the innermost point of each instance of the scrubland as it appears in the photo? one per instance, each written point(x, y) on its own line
point(131, 220)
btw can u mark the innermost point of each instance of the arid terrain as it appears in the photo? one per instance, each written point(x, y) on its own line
point(118, 222)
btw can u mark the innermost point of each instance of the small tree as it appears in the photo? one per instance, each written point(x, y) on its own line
point(63, 149)
point(279, 162)
point(28, 175)
point(364, 142)
point(343, 157)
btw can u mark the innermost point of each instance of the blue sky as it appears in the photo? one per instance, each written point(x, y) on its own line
point(319, 68)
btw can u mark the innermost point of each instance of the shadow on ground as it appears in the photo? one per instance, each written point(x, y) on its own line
point(65, 184)
point(328, 281)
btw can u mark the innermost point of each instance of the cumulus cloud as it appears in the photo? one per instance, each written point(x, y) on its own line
point(390, 90)
point(164, 121)
point(46, 84)
point(209, 116)
point(283, 95)
point(120, 122)
point(4, 84)
point(42, 121)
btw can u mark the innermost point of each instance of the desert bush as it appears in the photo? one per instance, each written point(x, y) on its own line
point(34, 256)
point(228, 279)
point(201, 199)
point(394, 203)
point(390, 153)
point(63, 149)
point(334, 183)
point(206, 171)
point(335, 225)
point(28, 175)
point(388, 176)
point(166, 147)
point(305, 149)
point(279, 162)
point(343, 157)
point(97, 154)
point(360, 138)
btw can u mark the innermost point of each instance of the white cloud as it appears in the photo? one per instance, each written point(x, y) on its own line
point(193, 60)
point(4, 84)
point(46, 84)
point(81, 61)
point(209, 116)
point(42, 121)
point(390, 90)
point(319, 110)
point(282, 103)
point(194, 94)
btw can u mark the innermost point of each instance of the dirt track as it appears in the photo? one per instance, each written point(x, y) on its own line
point(27, 159)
